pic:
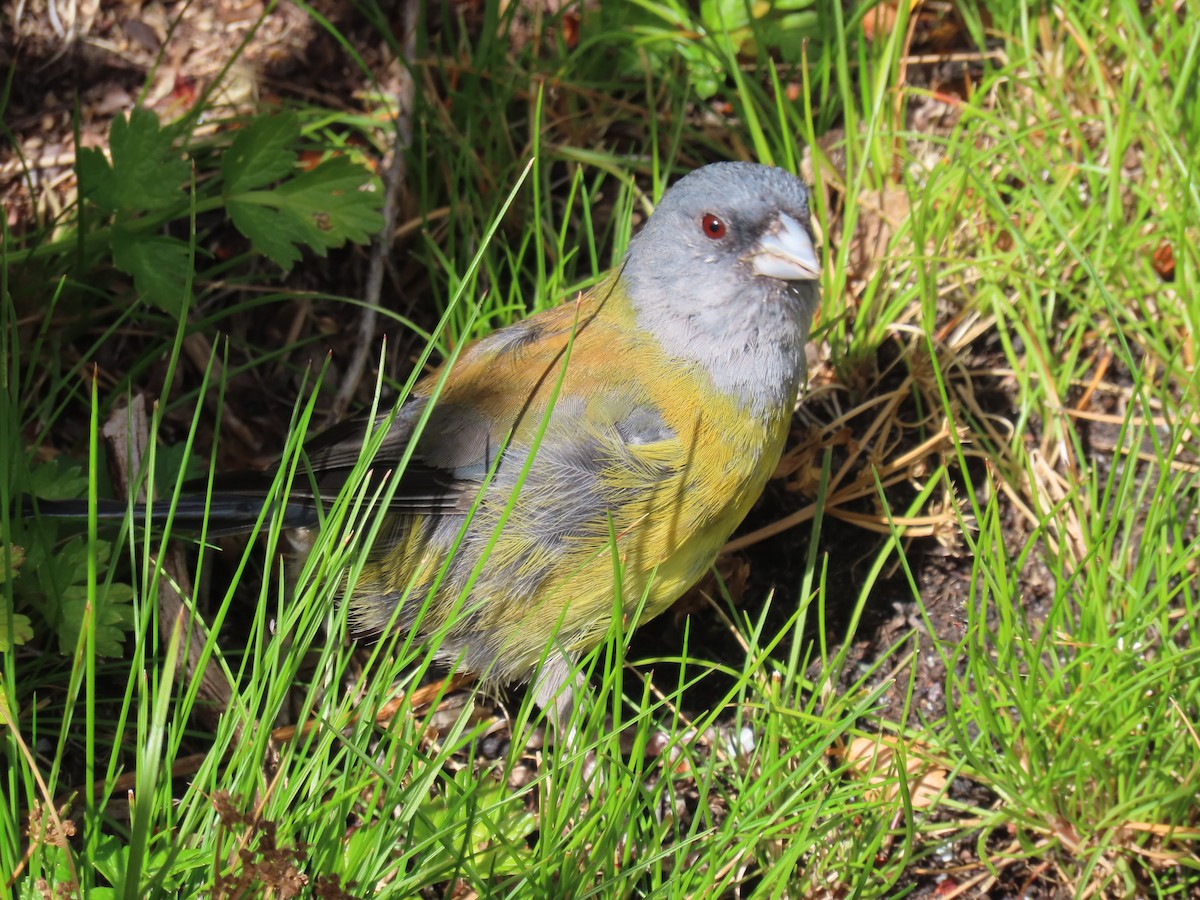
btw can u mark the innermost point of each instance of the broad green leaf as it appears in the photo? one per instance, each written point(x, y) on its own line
point(14, 557)
point(261, 153)
point(21, 628)
point(113, 617)
point(146, 172)
point(57, 479)
point(159, 266)
point(319, 209)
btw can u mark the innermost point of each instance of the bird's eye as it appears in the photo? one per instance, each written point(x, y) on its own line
point(713, 227)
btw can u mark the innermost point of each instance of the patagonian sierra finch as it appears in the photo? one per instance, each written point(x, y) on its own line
point(640, 420)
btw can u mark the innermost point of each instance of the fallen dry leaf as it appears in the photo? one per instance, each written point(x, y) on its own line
point(874, 760)
point(880, 213)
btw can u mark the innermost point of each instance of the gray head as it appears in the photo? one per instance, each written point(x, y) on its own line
point(725, 274)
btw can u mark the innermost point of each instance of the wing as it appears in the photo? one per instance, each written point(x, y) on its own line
point(501, 386)
point(550, 379)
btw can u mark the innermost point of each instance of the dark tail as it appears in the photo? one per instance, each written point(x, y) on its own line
point(226, 513)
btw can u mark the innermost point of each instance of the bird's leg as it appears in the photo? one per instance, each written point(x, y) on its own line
point(555, 687)
point(557, 684)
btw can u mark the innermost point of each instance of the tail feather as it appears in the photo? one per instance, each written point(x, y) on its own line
point(234, 501)
point(226, 513)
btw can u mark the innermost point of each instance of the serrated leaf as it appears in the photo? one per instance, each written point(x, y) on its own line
point(319, 209)
point(71, 561)
point(10, 561)
point(159, 266)
point(146, 172)
point(57, 479)
point(268, 231)
point(334, 202)
point(21, 629)
point(113, 617)
point(96, 181)
point(261, 153)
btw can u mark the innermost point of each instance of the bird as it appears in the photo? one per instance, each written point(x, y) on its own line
point(603, 448)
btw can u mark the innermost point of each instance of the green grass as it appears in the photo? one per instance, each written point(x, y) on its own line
point(1013, 332)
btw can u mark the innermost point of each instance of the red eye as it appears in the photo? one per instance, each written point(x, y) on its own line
point(713, 227)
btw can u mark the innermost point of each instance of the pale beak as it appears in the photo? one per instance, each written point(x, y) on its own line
point(786, 252)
